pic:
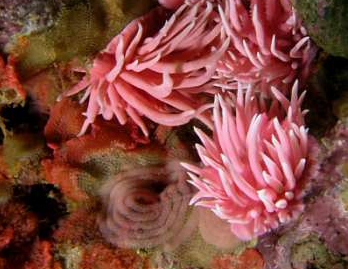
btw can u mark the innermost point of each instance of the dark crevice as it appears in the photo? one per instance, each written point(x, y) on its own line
point(46, 201)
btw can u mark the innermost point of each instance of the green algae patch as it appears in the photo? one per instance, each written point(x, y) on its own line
point(344, 197)
point(82, 28)
point(22, 154)
point(5, 192)
point(326, 21)
point(312, 253)
point(71, 255)
point(193, 253)
point(340, 108)
point(9, 96)
point(344, 187)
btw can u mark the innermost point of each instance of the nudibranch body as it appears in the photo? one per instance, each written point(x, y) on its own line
point(269, 46)
point(162, 75)
point(171, 4)
point(255, 168)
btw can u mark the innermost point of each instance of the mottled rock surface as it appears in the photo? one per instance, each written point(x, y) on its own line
point(327, 24)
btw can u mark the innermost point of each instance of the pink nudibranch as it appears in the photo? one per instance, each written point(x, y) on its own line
point(171, 4)
point(254, 168)
point(164, 76)
point(269, 45)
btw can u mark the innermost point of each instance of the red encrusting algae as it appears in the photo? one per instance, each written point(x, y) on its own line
point(41, 257)
point(255, 168)
point(102, 256)
point(64, 123)
point(66, 177)
point(80, 230)
point(249, 259)
point(17, 225)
